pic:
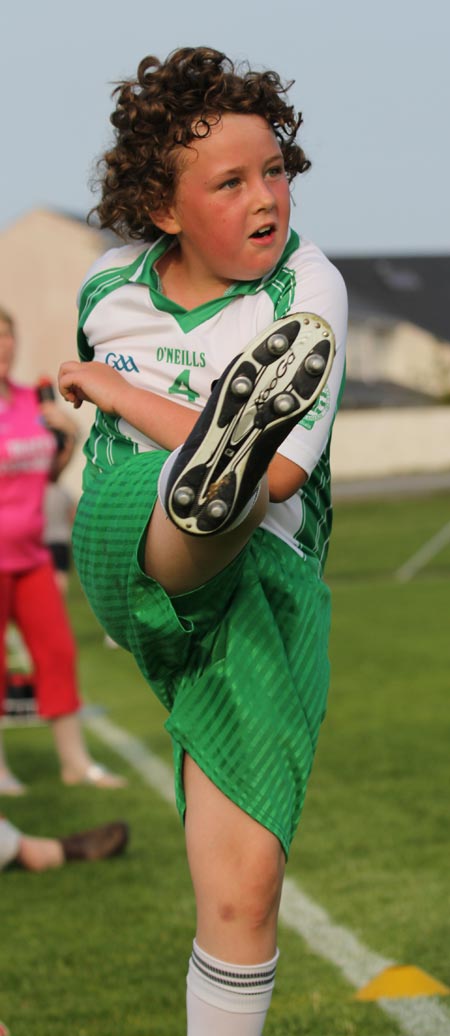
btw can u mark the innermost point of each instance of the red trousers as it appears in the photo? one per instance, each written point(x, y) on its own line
point(33, 601)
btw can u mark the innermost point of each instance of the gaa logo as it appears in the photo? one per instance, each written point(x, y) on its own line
point(120, 363)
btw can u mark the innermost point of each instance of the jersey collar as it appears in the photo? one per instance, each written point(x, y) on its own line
point(142, 271)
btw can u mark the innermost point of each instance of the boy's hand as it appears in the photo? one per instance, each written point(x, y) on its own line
point(94, 382)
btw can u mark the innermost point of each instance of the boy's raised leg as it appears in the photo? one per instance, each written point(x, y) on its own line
point(181, 563)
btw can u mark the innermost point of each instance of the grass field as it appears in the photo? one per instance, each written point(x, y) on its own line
point(100, 949)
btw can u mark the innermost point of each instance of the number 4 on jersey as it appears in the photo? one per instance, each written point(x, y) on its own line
point(181, 387)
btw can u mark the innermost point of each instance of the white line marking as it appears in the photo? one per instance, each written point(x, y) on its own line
point(419, 1016)
point(329, 940)
point(154, 772)
point(424, 555)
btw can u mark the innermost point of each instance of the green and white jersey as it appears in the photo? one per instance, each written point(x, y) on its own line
point(126, 322)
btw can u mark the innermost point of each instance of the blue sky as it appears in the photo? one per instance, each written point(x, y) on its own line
point(372, 81)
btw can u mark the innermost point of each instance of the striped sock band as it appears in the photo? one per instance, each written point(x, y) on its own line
point(237, 988)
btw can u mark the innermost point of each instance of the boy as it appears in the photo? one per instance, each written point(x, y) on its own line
point(200, 540)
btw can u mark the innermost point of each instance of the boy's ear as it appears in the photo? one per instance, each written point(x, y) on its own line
point(166, 221)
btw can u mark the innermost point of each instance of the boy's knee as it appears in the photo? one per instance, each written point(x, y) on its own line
point(254, 895)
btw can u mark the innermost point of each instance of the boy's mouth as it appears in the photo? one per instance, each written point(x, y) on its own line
point(264, 232)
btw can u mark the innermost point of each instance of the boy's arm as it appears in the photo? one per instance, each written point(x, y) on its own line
point(285, 478)
point(166, 422)
point(162, 420)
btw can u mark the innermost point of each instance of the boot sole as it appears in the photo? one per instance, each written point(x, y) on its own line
point(263, 395)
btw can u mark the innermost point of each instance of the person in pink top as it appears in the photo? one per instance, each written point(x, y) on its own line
point(29, 457)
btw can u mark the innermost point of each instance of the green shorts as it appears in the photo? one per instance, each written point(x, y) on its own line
point(241, 663)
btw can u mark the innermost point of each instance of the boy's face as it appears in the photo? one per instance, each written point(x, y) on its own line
point(231, 206)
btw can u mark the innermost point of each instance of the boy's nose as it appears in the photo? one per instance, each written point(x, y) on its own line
point(263, 197)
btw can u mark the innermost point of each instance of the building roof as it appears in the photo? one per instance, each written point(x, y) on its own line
point(409, 287)
point(371, 395)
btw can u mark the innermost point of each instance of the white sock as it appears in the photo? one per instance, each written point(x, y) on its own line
point(226, 999)
point(164, 478)
point(9, 842)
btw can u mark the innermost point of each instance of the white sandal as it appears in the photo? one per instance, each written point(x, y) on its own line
point(10, 785)
point(99, 777)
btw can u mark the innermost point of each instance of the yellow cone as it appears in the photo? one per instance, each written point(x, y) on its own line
point(400, 980)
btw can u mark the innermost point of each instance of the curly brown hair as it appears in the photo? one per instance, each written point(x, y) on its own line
point(165, 108)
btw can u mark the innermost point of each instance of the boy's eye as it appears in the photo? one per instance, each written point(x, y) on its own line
point(276, 170)
point(232, 182)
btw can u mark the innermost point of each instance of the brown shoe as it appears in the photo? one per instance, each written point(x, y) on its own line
point(96, 844)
